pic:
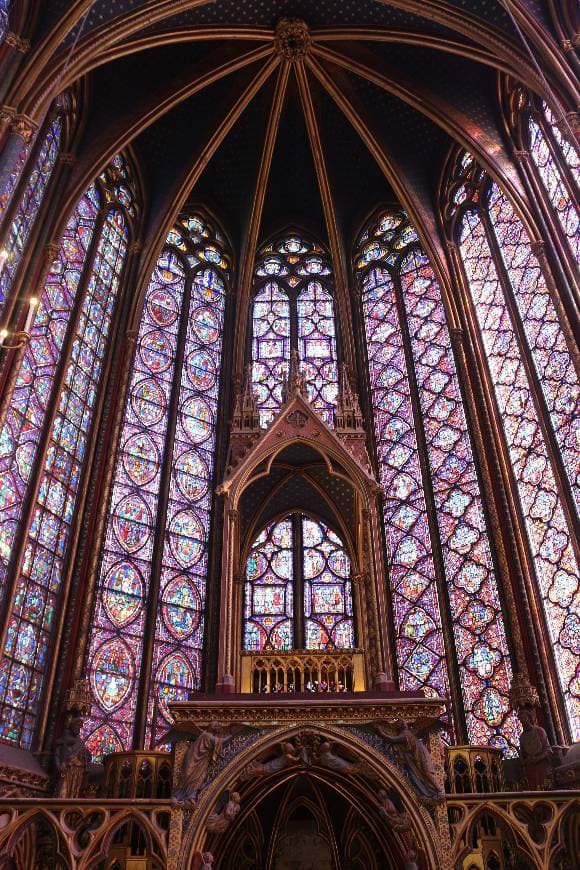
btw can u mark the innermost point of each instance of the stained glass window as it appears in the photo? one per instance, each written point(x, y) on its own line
point(298, 588)
point(147, 574)
point(294, 310)
point(27, 210)
point(327, 592)
point(78, 336)
point(559, 187)
point(517, 319)
point(5, 6)
point(269, 592)
point(416, 400)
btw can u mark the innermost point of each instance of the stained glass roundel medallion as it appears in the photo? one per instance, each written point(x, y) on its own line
point(148, 401)
point(197, 419)
point(156, 351)
point(192, 475)
point(206, 324)
point(132, 523)
point(201, 369)
point(112, 674)
point(186, 536)
point(162, 307)
point(181, 607)
point(140, 458)
point(122, 594)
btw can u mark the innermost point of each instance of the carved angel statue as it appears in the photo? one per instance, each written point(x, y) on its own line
point(286, 758)
point(414, 757)
point(200, 754)
point(71, 759)
point(206, 861)
point(327, 758)
point(225, 813)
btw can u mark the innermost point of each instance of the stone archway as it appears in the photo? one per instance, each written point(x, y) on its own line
point(333, 772)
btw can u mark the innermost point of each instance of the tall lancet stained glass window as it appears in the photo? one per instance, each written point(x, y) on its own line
point(155, 556)
point(22, 196)
point(438, 552)
point(536, 390)
point(44, 440)
point(297, 592)
point(293, 310)
point(558, 166)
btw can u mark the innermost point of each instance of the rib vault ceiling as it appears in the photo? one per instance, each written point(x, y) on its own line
point(217, 109)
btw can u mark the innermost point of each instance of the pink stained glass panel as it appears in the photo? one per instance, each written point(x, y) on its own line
point(480, 638)
point(549, 537)
point(270, 348)
point(328, 617)
point(269, 593)
point(546, 341)
point(419, 636)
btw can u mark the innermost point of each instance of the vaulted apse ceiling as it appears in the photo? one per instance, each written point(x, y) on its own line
point(368, 108)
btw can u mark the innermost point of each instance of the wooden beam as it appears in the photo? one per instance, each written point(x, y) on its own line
point(255, 220)
point(334, 234)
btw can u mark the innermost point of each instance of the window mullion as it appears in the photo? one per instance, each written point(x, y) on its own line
point(459, 721)
point(159, 543)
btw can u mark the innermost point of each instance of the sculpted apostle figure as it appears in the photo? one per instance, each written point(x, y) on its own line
point(71, 759)
point(218, 822)
point(536, 753)
point(200, 754)
point(414, 757)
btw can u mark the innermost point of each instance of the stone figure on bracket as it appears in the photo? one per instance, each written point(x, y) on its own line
point(71, 758)
point(200, 754)
point(286, 758)
point(536, 754)
point(225, 813)
point(400, 823)
point(414, 757)
point(327, 758)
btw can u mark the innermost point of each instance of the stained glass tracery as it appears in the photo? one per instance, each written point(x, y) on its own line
point(38, 561)
point(295, 560)
point(415, 394)
point(145, 569)
point(482, 221)
point(293, 309)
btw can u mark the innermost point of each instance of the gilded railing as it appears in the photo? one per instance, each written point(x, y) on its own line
point(298, 671)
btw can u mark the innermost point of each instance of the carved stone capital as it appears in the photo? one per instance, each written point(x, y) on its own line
point(522, 693)
point(522, 156)
point(51, 250)
point(292, 39)
point(23, 126)
point(67, 158)
point(22, 46)
point(539, 249)
point(6, 116)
